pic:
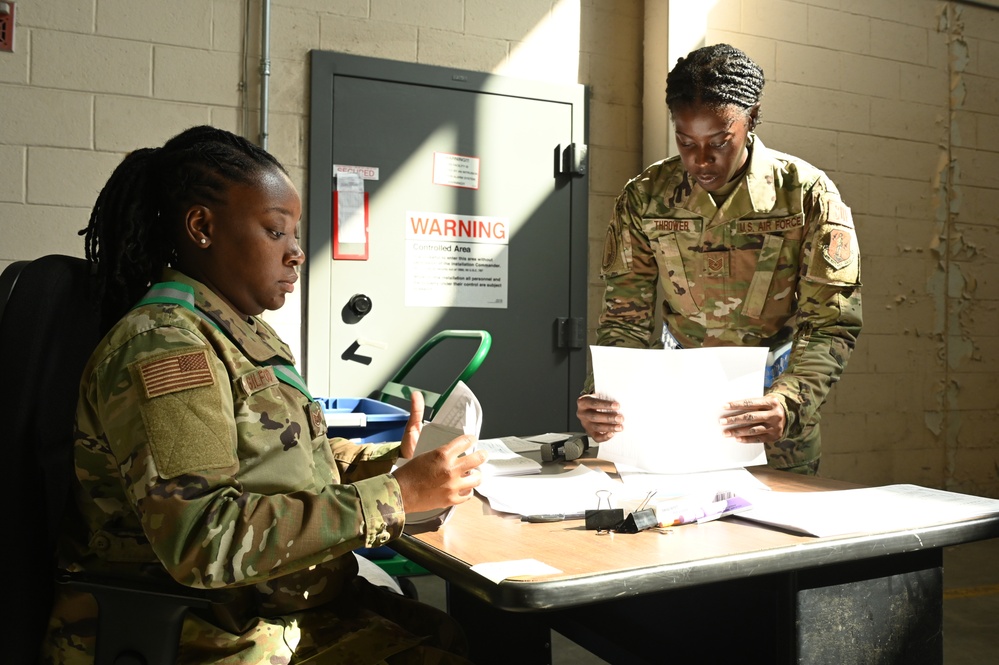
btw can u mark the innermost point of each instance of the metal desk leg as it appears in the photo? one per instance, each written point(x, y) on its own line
point(885, 610)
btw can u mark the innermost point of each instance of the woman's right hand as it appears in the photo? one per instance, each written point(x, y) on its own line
point(441, 477)
point(599, 417)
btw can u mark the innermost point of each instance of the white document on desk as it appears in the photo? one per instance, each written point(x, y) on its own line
point(568, 493)
point(504, 458)
point(867, 510)
point(671, 401)
point(739, 481)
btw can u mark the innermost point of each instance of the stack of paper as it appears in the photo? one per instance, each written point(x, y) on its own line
point(869, 509)
point(505, 458)
point(572, 492)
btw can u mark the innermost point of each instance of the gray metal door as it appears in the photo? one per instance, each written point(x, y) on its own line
point(473, 216)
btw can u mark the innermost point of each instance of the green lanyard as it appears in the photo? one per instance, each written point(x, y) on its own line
point(177, 293)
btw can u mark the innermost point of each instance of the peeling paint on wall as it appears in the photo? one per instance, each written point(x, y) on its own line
point(948, 285)
point(953, 285)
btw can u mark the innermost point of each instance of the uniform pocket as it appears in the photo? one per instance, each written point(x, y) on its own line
point(674, 276)
point(759, 287)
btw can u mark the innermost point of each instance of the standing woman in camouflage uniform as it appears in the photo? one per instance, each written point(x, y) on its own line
point(745, 246)
point(199, 453)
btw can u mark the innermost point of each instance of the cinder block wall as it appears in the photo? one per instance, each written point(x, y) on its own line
point(897, 99)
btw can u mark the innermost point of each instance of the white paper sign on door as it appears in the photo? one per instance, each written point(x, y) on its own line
point(456, 261)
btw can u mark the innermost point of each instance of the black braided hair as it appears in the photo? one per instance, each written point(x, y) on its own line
point(130, 236)
point(714, 76)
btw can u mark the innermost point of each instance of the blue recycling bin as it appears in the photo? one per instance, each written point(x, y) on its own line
point(370, 421)
point(363, 420)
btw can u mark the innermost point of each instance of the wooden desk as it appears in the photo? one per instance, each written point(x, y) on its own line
point(701, 593)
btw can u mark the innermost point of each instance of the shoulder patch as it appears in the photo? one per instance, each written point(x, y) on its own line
point(836, 247)
point(170, 374)
point(616, 258)
point(839, 212)
point(610, 248)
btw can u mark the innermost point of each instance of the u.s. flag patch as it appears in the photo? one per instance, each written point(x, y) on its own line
point(163, 376)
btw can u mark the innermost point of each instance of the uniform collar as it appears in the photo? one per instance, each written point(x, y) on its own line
point(255, 338)
point(753, 194)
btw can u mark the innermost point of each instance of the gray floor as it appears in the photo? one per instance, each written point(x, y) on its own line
point(971, 608)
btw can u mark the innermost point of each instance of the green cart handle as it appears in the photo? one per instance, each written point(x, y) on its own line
point(394, 387)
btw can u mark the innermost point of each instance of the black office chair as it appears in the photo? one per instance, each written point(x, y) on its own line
point(49, 325)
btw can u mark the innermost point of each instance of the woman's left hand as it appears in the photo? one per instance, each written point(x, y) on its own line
point(755, 420)
point(413, 426)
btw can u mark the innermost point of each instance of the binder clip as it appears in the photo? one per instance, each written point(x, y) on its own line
point(603, 520)
point(641, 519)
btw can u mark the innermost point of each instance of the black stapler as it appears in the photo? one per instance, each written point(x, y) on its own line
point(571, 447)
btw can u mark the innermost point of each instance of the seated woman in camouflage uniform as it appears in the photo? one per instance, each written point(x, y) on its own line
point(745, 246)
point(200, 454)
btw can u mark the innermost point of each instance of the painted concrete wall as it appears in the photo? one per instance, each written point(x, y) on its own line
point(897, 99)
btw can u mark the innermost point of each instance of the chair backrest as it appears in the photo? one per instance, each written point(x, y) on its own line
point(395, 388)
point(48, 329)
point(7, 279)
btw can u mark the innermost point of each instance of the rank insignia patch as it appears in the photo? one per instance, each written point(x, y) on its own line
point(716, 264)
point(317, 419)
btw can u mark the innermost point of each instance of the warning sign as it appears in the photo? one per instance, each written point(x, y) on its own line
point(456, 170)
point(456, 261)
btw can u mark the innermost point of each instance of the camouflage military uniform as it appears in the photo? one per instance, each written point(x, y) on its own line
point(777, 261)
point(199, 452)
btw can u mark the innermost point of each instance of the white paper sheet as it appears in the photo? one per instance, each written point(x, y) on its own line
point(671, 401)
point(497, 571)
point(869, 509)
point(504, 460)
point(739, 481)
point(566, 493)
point(460, 414)
point(350, 208)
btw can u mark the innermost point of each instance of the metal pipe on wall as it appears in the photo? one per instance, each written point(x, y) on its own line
point(265, 68)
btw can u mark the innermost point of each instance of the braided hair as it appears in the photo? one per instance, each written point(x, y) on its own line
point(133, 224)
point(714, 76)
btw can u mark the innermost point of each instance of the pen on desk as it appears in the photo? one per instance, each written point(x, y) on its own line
point(551, 517)
point(695, 513)
point(706, 512)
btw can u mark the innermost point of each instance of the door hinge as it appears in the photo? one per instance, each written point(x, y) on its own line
point(570, 332)
point(571, 160)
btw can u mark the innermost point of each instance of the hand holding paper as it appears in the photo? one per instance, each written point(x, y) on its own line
point(440, 478)
point(672, 402)
point(442, 472)
point(755, 420)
